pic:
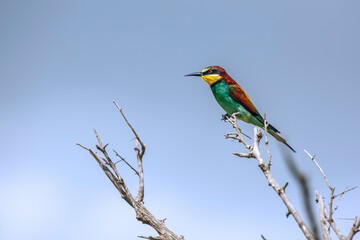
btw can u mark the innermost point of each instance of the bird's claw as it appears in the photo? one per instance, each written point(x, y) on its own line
point(225, 117)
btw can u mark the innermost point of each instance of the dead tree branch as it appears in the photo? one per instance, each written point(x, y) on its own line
point(111, 171)
point(254, 152)
point(328, 214)
point(266, 124)
point(355, 229)
point(324, 229)
point(140, 151)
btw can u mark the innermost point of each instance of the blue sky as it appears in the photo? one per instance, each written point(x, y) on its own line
point(63, 62)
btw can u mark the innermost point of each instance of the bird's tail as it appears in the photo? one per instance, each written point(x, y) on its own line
point(280, 139)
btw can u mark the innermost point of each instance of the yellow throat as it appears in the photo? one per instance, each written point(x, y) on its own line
point(210, 78)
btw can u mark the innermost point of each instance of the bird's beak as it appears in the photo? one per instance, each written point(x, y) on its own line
point(197, 74)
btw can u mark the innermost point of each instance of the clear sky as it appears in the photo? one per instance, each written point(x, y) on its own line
point(63, 62)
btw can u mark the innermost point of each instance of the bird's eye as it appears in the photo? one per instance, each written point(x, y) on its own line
point(210, 71)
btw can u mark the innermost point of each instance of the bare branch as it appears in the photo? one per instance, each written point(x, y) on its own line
point(98, 138)
point(233, 122)
point(123, 159)
point(284, 187)
point(82, 146)
point(142, 214)
point(118, 182)
point(320, 169)
point(132, 129)
point(355, 229)
point(341, 194)
point(156, 238)
point(333, 224)
point(139, 155)
point(244, 155)
point(151, 238)
point(254, 152)
point(345, 191)
point(266, 124)
point(231, 136)
point(324, 229)
point(329, 214)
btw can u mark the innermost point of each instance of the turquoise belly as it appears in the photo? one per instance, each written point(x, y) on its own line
point(222, 96)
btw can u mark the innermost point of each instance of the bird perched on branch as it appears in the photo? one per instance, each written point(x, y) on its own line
point(233, 99)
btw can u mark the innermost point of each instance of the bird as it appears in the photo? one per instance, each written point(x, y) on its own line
point(233, 99)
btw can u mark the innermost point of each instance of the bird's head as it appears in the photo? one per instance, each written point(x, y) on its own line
point(210, 74)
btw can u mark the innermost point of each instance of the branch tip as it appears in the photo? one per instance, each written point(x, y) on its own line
point(284, 187)
point(78, 144)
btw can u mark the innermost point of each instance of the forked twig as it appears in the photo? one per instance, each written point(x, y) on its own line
point(142, 214)
point(140, 151)
point(328, 214)
point(254, 152)
point(123, 160)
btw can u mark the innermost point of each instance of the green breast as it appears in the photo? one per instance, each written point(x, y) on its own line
point(221, 93)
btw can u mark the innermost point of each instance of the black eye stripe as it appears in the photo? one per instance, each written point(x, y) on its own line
point(212, 71)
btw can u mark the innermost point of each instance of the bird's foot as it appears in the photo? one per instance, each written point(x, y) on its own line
point(235, 114)
point(225, 117)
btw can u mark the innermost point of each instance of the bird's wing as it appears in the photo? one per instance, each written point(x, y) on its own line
point(239, 95)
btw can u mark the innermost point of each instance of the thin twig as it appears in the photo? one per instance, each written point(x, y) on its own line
point(123, 159)
point(142, 214)
point(233, 122)
point(132, 129)
point(266, 124)
point(329, 214)
point(151, 238)
point(325, 231)
point(139, 155)
point(82, 146)
point(345, 191)
point(355, 229)
point(254, 152)
point(320, 169)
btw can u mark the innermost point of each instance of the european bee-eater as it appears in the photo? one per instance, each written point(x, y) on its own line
point(233, 99)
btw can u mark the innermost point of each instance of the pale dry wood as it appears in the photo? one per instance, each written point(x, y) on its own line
point(254, 152)
point(324, 229)
point(320, 169)
point(328, 214)
point(355, 229)
point(142, 214)
point(347, 189)
point(266, 124)
point(140, 151)
point(123, 159)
